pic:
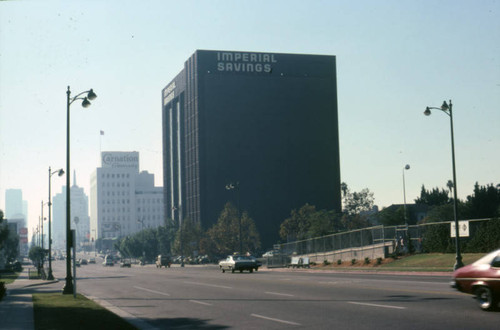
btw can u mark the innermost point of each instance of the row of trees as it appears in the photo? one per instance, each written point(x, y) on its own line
point(483, 203)
point(436, 203)
point(308, 222)
point(190, 239)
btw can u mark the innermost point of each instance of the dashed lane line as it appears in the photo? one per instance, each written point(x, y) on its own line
point(200, 302)
point(280, 294)
point(210, 285)
point(152, 291)
point(375, 305)
point(274, 319)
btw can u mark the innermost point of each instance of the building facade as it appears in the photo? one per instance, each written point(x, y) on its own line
point(265, 123)
point(123, 200)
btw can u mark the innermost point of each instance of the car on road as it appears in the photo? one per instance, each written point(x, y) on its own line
point(238, 262)
point(482, 279)
point(108, 261)
point(92, 261)
point(126, 263)
point(163, 260)
point(84, 261)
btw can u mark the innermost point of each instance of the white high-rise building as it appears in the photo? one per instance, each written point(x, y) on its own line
point(123, 200)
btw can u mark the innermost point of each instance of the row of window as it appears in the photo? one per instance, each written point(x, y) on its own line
point(117, 175)
point(118, 184)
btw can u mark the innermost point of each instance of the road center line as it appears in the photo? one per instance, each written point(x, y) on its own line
point(200, 302)
point(375, 305)
point(211, 285)
point(275, 320)
point(280, 294)
point(152, 291)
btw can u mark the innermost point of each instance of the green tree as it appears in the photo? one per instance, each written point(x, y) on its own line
point(432, 197)
point(187, 238)
point(358, 202)
point(436, 238)
point(392, 216)
point(9, 241)
point(487, 238)
point(225, 233)
point(296, 227)
point(484, 202)
point(36, 255)
point(324, 223)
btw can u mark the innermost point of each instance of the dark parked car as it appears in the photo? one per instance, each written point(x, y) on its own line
point(238, 262)
point(126, 263)
point(482, 279)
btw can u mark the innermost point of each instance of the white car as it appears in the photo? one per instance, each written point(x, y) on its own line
point(238, 262)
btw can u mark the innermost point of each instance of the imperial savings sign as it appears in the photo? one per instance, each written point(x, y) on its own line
point(120, 160)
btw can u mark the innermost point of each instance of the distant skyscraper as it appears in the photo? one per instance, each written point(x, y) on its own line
point(265, 122)
point(14, 203)
point(79, 211)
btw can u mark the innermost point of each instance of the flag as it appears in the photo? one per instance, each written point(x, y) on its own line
point(102, 132)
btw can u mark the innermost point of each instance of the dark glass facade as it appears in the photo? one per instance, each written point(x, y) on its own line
point(267, 121)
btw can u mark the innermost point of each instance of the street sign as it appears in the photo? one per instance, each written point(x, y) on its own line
point(463, 229)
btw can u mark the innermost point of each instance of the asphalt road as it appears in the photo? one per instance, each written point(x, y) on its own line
point(202, 297)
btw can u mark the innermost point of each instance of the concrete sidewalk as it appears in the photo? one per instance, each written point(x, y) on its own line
point(16, 307)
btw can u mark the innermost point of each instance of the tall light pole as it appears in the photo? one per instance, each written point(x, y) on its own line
point(407, 167)
point(141, 221)
point(236, 186)
point(59, 173)
point(68, 287)
point(447, 109)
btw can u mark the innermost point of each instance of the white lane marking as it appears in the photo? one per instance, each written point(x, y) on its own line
point(280, 294)
point(375, 305)
point(211, 285)
point(138, 322)
point(200, 302)
point(275, 320)
point(152, 291)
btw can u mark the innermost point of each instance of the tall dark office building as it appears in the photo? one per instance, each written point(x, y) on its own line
point(264, 120)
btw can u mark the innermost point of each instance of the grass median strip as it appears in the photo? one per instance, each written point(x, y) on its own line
point(58, 311)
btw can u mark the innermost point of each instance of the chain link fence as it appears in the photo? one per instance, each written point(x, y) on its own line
point(374, 242)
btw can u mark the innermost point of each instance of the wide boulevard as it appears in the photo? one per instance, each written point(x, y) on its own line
point(203, 297)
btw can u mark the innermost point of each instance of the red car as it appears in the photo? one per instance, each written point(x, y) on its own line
point(482, 279)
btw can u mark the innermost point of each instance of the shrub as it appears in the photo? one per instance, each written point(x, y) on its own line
point(339, 262)
point(353, 261)
point(2, 290)
point(367, 260)
point(379, 261)
point(326, 262)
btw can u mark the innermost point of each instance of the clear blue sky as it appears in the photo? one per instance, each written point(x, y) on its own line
point(394, 58)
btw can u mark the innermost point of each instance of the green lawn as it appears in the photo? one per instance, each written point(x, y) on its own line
point(430, 262)
point(58, 311)
point(8, 278)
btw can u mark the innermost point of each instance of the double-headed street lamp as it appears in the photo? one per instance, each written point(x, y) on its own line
point(447, 109)
point(59, 173)
point(90, 95)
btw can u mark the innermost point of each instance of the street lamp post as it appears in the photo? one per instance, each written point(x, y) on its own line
point(447, 109)
point(141, 221)
point(68, 287)
point(236, 186)
point(60, 173)
point(407, 167)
